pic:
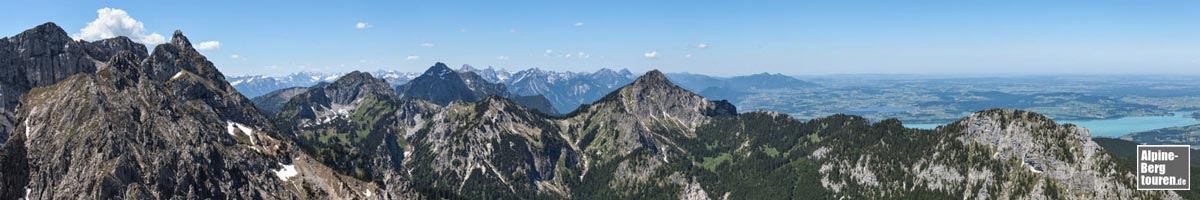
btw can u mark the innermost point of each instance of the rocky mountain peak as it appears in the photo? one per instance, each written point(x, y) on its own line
point(179, 40)
point(653, 78)
point(356, 76)
point(356, 85)
point(48, 30)
point(439, 70)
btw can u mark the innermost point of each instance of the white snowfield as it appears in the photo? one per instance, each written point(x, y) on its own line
point(232, 127)
point(288, 171)
point(177, 75)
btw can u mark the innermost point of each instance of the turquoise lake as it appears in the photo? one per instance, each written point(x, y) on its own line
point(1118, 126)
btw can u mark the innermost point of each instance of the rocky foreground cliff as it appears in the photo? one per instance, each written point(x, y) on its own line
point(167, 125)
point(163, 126)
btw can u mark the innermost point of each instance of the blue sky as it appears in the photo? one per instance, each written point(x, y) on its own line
point(708, 37)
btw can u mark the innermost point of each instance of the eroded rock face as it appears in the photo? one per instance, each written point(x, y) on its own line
point(43, 56)
point(1063, 153)
point(126, 132)
point(1007, 154)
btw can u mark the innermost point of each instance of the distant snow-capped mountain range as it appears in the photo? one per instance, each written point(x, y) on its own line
point(565, 90)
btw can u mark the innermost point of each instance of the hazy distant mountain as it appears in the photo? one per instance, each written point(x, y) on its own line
point(565, 90)
point(697, 82)
point(271, 103)
point(257, 85)
point(490, 74)
point(442, 85)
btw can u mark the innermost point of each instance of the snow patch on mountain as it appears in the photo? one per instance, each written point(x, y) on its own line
point(288, 171)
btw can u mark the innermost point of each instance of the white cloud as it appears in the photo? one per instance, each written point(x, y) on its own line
point(652, 54)
point(427, 44)
point(412, 58)
point(512, 30)
point(578, 24)
point(235, 56)
point(501, 57)
point(687, 56)
point(111, 22)
point(362, 25)
point(208, 45)
point(702, 45)
point(582, 55)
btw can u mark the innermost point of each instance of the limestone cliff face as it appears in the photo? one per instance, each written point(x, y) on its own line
point(125, 131)
point(45, 55)
point(991, 154)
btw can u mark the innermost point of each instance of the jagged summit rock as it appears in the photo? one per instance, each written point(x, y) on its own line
point(653, 78)
point(48, 31)
point(178, 55)
point(179, 40)
point(103, 49)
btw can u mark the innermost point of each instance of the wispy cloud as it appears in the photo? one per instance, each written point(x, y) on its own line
point(235, 56)
point(652, 54)
point(362, 25)
point(687, 56)
point(578, 24)
point(208, 45)
point(412, 58)
point(702, 45)
point(111, 22)
point(427, 44)
point(501, 57)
